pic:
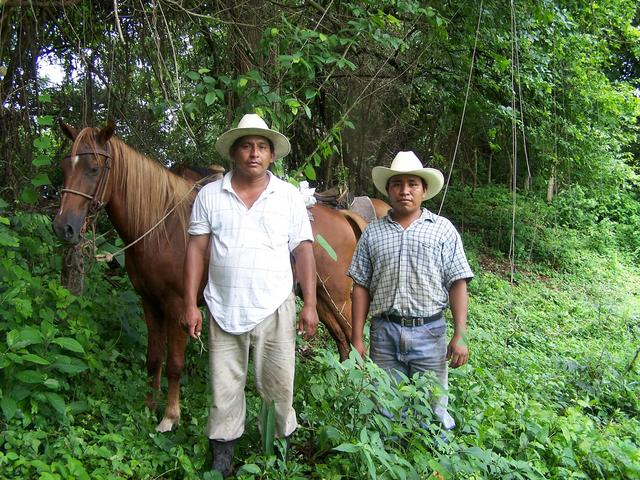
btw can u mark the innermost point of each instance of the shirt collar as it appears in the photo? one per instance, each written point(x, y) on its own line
point(425, 216)
point(226, 182)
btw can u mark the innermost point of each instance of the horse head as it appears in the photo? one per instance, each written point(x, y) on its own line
point(85, 179)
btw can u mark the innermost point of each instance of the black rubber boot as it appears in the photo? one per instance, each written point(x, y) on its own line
point(222, 453)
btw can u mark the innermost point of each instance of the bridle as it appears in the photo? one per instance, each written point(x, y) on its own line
point(97, 199)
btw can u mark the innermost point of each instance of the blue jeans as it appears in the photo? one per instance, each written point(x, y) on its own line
point(408, 350)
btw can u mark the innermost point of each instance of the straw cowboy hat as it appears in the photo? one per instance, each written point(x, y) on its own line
point(407, 163)
point(252, 124)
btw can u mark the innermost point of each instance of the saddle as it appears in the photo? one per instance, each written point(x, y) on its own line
point(334, 198)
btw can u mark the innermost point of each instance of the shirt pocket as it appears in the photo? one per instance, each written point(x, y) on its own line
point(275, 230)
point(426, 267)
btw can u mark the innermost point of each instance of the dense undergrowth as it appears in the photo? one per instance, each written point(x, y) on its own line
point(551, 390)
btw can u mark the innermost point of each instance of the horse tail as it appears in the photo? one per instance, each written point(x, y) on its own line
point(356, 222)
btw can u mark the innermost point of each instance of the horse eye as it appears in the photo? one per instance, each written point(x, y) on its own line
point(93, 170)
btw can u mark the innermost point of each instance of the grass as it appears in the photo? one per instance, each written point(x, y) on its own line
point(549, 391)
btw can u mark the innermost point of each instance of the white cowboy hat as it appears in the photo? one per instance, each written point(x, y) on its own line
point(252, 124)
point(407, 163)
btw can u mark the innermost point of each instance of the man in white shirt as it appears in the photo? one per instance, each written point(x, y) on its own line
point(252, 222)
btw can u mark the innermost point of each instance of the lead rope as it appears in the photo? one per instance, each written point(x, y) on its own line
point(107, 257)
point(339, 310)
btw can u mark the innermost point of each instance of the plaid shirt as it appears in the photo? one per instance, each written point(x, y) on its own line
point(409, 272)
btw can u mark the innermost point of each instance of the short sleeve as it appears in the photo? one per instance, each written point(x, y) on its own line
point(454, 260)
point(199, 223)
point(361, 269)
point(299, 226)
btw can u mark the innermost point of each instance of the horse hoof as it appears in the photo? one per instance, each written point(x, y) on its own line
point(166, 425)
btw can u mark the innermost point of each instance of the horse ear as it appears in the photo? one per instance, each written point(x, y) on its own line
point(70, 132)
point(106, 133)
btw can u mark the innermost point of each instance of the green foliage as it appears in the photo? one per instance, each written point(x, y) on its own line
point(550, 391)
point(556, 235)
point(268, 422)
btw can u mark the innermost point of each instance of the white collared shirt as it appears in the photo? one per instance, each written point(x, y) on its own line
point(250, 265)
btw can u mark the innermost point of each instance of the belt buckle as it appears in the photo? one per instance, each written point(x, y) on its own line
point(408, 322)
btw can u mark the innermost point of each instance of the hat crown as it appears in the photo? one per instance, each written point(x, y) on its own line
point(252, 124)
point(406, 162)
point(252, 120)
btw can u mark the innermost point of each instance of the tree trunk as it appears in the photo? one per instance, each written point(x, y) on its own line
point(489, 169)
point(72, 276)
point(551, 185)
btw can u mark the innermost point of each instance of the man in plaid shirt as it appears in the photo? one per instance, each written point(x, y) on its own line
point(407, 268)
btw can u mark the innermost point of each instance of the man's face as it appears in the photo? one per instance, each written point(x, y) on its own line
point(405, 193)
point(252, 156)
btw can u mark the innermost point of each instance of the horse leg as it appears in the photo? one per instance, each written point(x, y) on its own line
point(177, 344)
point(326, 314)
point(156, 339)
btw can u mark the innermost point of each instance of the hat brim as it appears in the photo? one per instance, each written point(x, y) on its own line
point(281, 145)
point(432, 177)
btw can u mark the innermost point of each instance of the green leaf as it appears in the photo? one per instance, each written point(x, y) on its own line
point(52, 383)
point(193, 75)
point(17, 339)
point(250, 468)
point(309, 172)
point(3, 204)
point(212, 475)
point(29, 195)
point(45, 120)
point(41, 179)
point(68, 343)
point(5, 361)
point(30, 376)
point(69, 365)
point(268, 421)
point(324, 244)
point(41, 161)
point(42, 143)
point(8, 240)
point(202, 70)
point(9, 406)
point(56, 401)
point(30, 357)
point(348, 448)
point(242, 82)
point(210, 98)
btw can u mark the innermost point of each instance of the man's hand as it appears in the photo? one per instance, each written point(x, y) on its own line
point(192, 322)
point(457, 352)
point(308, 323)
point(358, 344)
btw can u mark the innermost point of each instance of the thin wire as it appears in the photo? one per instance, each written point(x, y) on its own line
point(514, 143)
point(464, 108)
point(521, 102)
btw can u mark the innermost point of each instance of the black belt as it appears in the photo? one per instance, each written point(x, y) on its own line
point(411, 321)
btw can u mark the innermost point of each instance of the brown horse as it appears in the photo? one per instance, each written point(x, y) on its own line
point(137, 193)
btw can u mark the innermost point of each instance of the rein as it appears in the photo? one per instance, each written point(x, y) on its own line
point(97, 199)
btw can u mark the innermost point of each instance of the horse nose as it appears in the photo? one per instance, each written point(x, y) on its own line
point(66, 232)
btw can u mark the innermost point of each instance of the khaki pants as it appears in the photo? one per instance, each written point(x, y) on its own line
point(273, 341)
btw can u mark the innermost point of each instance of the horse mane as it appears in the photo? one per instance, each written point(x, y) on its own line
point(149, 189)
